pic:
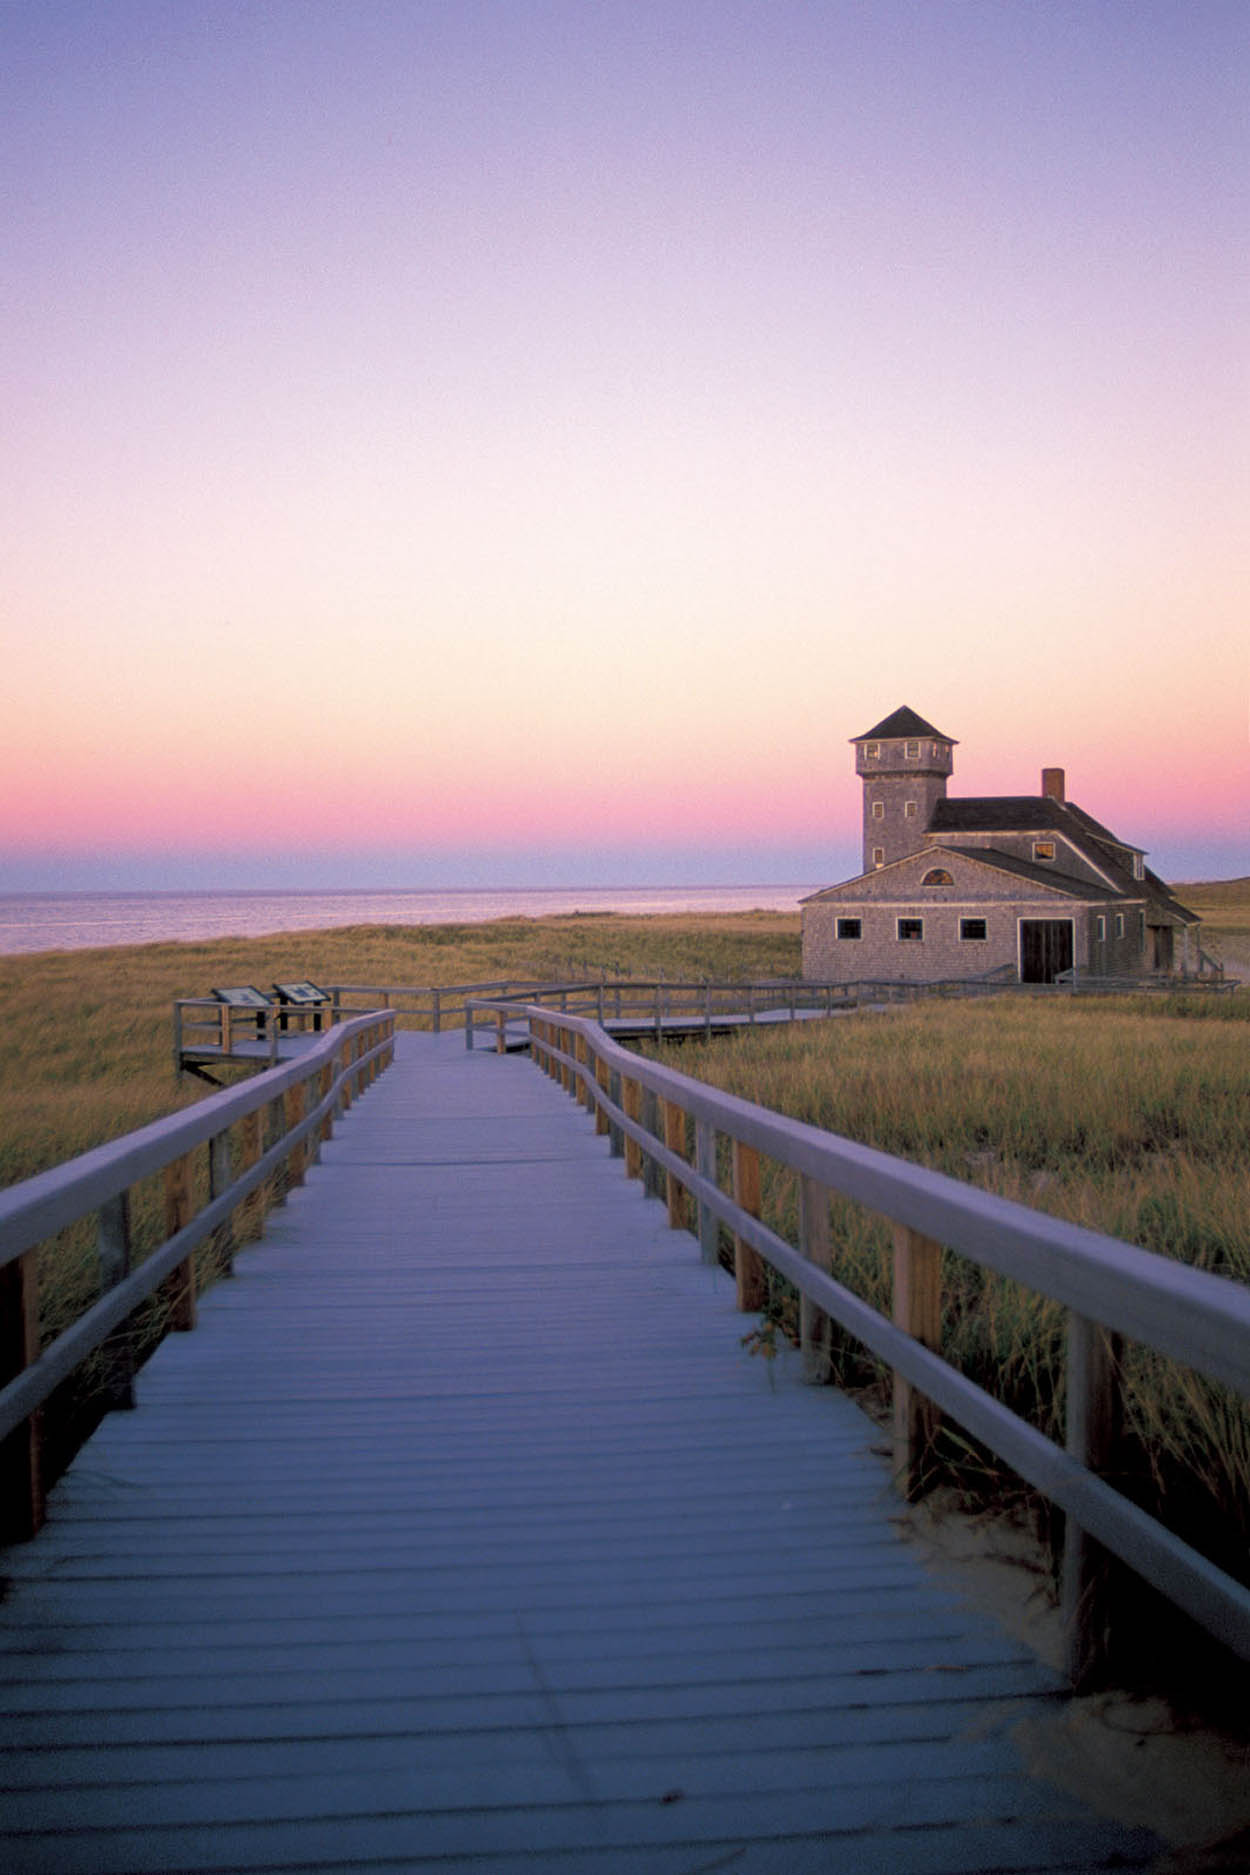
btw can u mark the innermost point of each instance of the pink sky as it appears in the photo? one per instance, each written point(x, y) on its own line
point(523, 443)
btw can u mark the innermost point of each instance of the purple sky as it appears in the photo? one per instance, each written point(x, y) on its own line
point(453, 443)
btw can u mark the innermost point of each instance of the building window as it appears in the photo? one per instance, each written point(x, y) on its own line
point(1139, 866)
point(972, 931)
point(1141, 930)
point(878, 810)
point(872, 751)
point(1043, 849)
point(850, 928)
point(878, 856)
point(909, 810)
point(911, 930)
point(1100, 930)
point(1119, 924)
point(911, 751)
point(938, 876)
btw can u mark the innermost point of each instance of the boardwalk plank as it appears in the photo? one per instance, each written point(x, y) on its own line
point(464, 1532)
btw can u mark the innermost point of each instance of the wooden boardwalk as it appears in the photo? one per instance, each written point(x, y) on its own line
point(464, 1535)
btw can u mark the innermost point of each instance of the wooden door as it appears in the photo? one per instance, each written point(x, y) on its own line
point(1045, 948)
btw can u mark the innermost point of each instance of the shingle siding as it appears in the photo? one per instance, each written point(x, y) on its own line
point(988, 848)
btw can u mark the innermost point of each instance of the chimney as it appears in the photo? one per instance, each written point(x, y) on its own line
point(1052, 783)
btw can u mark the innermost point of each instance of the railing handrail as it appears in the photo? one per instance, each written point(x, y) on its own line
point(1192, 1315)
point(99, 1183)
point(40, 1206)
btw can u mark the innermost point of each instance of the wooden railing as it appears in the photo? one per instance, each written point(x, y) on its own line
point(256, 1141)
point(203, 1021)
point(1111, 1290)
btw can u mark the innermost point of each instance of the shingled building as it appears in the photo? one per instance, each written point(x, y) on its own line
point(1023, 885)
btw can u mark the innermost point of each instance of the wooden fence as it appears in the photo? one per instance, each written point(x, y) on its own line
point(255, 1139)
point(1111, 1290)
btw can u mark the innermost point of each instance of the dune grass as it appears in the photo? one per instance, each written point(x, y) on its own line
point(1130, 1116)
point(87, 1033)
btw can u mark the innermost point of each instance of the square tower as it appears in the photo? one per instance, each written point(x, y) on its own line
point(904, 763)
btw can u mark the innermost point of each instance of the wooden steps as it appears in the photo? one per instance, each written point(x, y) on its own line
point(464, 1534)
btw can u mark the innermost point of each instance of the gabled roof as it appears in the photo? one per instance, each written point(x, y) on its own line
point(1020, 813)
point(1026, 869)
point(903, 722)
point(1044, 876)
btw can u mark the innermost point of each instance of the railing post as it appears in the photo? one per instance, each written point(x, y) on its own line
point(113, 1251)
point(219, 1176)
point(815, 1328)
point(748, 1263)
point(632, 1103)
point(705, 1166)
point(298, 1158)
point(438, 1012)
point(501, 1033)
point(324, 1080)
point(675, 1140)
point(1091, 1437)
point(251, 1213)
point(616, 1138)
point(21, 1470)
point(601, 1082)
point(917, 1310)
point(651, 1171)
point(179, 1286)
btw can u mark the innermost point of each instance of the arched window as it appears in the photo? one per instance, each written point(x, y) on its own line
point(938, 876)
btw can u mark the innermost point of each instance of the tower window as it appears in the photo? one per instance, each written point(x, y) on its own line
point(878, 810)
point(850, 928)
point(938, 876)
point(972, 930)
point(872, 751)
point(909, 810)
point(878, 856)
point(911, 930)
point(911, 751)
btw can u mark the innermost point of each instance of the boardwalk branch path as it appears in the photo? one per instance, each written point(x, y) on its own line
point(463, 1533)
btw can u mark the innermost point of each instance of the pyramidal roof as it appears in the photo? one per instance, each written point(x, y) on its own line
point(903, 722)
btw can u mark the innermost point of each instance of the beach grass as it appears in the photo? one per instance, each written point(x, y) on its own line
point(1130, 1116)
point(87, 1050)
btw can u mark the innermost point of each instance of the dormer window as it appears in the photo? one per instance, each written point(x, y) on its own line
point(1043, 849)
point(1139, 866)
point(911, 751)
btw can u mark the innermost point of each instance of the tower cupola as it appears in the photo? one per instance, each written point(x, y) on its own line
point(904, 763)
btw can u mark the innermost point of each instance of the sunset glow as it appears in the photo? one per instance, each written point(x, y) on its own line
point(522, 442)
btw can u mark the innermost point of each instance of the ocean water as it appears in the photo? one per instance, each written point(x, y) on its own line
point(40, 921)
